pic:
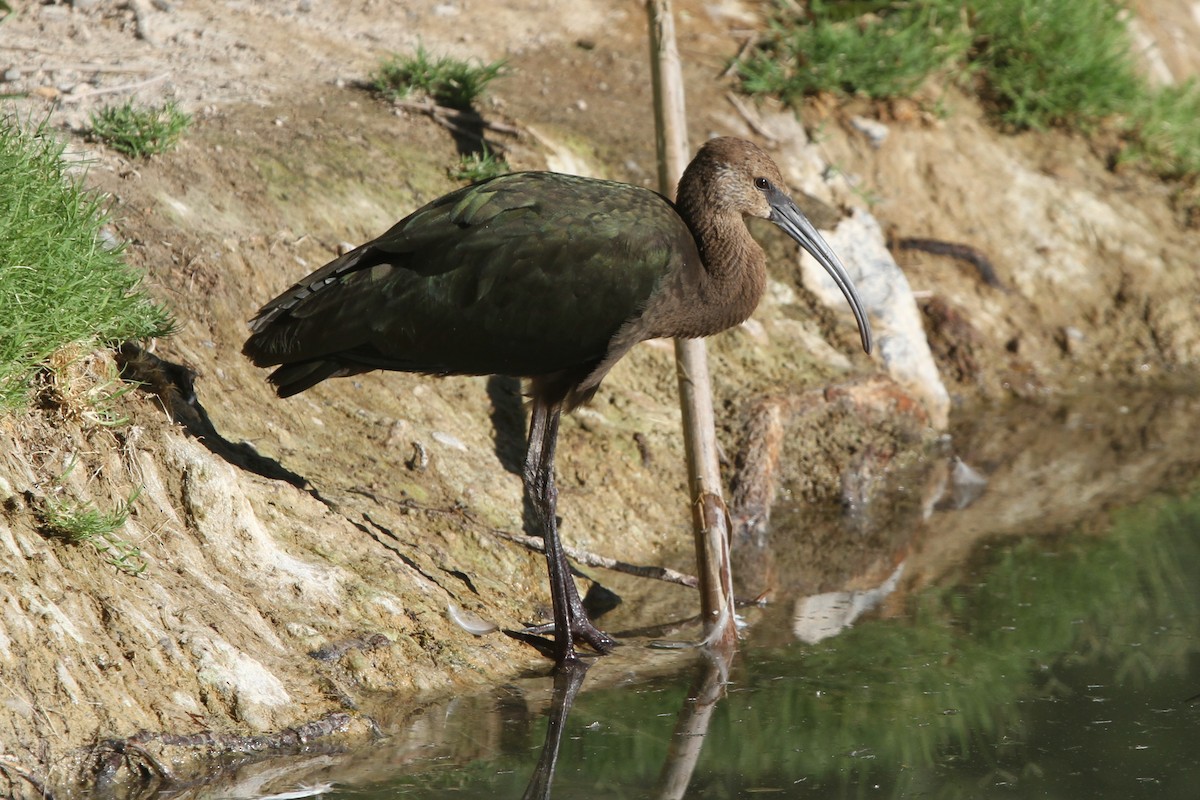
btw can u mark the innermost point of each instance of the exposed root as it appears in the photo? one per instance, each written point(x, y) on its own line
point(961, 252)
point(12, 773)
point(126, 767)
point(235, 743)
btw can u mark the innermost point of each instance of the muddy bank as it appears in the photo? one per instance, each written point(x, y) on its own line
point(299, 557)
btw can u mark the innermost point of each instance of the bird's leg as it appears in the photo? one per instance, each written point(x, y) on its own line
point(543, 497)
point(570, 619)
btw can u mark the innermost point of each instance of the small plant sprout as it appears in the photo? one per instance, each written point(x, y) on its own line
point(140, 131)
point(479, 166)
point(84, 523)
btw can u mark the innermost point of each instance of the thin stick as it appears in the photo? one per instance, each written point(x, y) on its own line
point(710, 518)
point(537, 544)
point(91, 66)
point(125, 87)
point(39, 787)
point(750, 117)
point(25, 48)
point(733, 63)
point(590, 559)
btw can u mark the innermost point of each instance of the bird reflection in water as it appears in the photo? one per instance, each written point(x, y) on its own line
point(706, 691)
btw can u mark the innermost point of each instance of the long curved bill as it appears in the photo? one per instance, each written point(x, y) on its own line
point(785, 214)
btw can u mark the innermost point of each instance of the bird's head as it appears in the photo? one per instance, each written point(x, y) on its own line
point(733, 176)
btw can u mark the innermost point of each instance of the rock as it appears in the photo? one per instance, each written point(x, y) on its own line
point(875, 131)
point(895, 318)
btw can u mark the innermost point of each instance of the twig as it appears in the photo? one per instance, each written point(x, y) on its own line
point(25, 48)
point(125, 87)
point(92, 66)
point(751, 118)
point(536, 544)
point(594, 560)
point(733, 62)
point(39, 787)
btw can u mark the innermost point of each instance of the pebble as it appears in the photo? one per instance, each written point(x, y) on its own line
point(470, 622)
point(1072, 340)
point(108, 239)
point(875, 131)
point(448, 440)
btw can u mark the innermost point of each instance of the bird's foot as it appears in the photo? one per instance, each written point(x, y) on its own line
point(582, 632)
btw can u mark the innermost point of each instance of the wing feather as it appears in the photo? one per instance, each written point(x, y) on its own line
point(526, 274)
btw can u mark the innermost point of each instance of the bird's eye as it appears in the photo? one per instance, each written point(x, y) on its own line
point(762, 183)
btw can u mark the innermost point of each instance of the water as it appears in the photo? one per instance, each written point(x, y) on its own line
point(1038, 640)
point(1068, 668)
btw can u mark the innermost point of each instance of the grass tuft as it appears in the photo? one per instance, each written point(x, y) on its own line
point(81, 523)
point(1035, 64)
point(888, 51)
point(1064, 63)
point(59, 284)
point(479, 166)
point(1168, 137)
point(82, 385)
point(448, 81)
point(138, 131)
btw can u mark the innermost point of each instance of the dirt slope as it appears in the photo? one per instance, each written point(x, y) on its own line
point(300, 556)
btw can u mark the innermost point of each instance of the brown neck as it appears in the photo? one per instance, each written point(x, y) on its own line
point(713, 288)
point(734, 266)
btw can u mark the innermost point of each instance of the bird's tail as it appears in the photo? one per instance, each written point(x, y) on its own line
point(292, 379)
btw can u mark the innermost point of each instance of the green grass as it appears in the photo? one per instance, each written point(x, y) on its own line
point(82, 523)
point(479, 166)
point(138, 131)
point(448, 81)
point(1035, 64)
point(1168, 136)
point(888, 53)
point(1062, 63)
point(59, 285)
